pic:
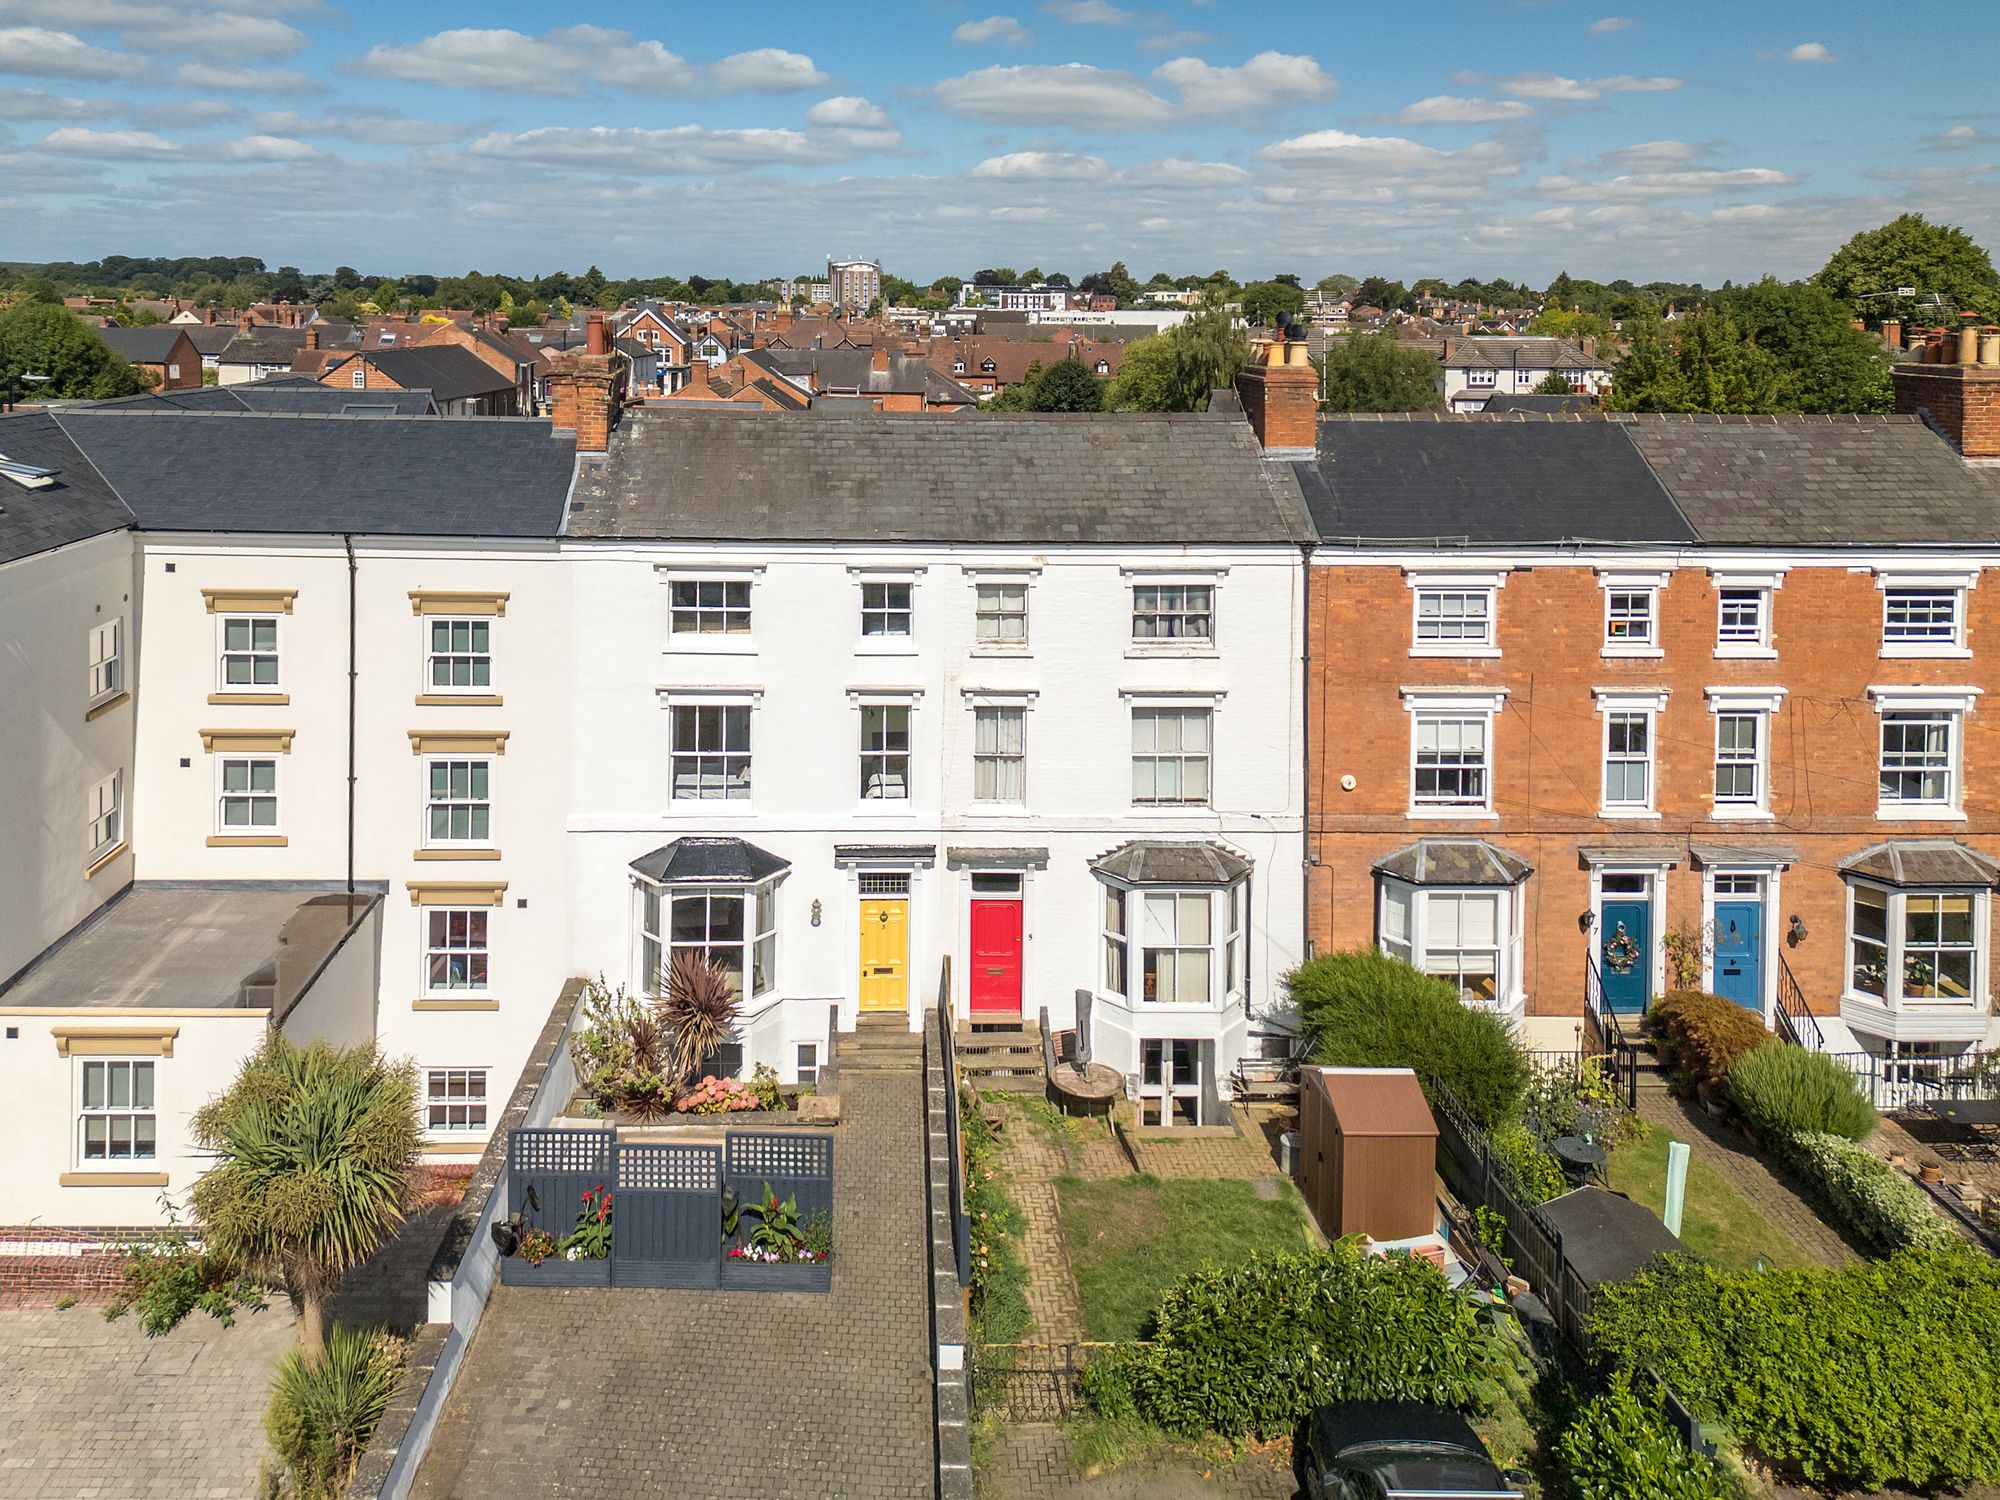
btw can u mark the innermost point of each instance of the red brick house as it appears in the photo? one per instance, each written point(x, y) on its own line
point(163, 351)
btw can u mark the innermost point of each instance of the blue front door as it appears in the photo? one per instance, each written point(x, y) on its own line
point(1739, 953)
point(1625, 954)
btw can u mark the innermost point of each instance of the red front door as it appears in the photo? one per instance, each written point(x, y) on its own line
point(996, 959)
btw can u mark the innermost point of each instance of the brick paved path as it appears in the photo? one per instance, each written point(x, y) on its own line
point(1730, 1155)
point(1032, 1162)
point(90, 1408)
point(1207, 1153)
point(1033, 1463)
point(758, 1395)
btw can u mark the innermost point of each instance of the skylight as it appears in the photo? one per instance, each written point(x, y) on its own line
point(27, 476)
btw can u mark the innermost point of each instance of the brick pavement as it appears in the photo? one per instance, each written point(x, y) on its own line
point(1210, 1152)
point(1032, 1161)
point(763, 1395)
point(90, 1408)
point(1732, 1156)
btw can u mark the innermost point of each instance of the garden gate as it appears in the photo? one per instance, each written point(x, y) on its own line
point(667, 1217)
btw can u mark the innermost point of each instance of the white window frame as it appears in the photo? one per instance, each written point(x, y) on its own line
point(275, 796)
point(1430, 705)
point(1895, 963)
point(1758, 645)
point(887, 611)
point(1485, 586)
point(448, 801)
point(440, 1104)
point(1416, 948)
point(1183, 610)
point(703, 617)
point(1206, 708)
point(107, 814)
point(479, 918)
point(360, 378)
point(1951, 645)
point(1647, 706)
point(433, 656)
point(1949, 705)
point(865, 756)
point(81, 1112)
point(758, 958)
point(1760, 704)
point(745, 778)
point(1649, 586)
point(1480, 377)
point(276, 655)
point(996, 644)
point(105, 648)
point(996, 711)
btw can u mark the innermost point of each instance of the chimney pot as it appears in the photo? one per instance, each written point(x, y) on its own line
point(596, 339)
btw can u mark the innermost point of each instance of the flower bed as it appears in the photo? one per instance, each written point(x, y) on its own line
point(768, 1245)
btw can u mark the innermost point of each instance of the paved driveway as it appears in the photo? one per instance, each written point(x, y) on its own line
point(90, 1408)
point(755, 1395)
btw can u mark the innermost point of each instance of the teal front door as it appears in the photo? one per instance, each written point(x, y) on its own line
point(1624, 954)
point(1739, 953)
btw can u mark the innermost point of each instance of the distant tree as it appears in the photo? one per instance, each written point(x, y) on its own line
point(1378, 372)
point(1700, 364)
point(1032, 275)
point(1179, 369)
point(1936, 259)
point(1287, 278)
point(590, 286)
point(1428, 286)
point(1263, 301)
point(1829, 365)
point(346, 279)
point(387, 297)
point(1388, 295)
point(1562, 323)
point(1555, 383)
point(1335, 285)
point(948, 286)
point(1116, 282)
point(42, 338)
point(1145, 378)
point(994, 276)
point(290, 285)
point(1057, 278)
point(1068, 385)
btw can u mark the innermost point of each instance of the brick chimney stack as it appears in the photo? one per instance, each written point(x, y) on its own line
point(583, 389)
point(879, 362)
point(1280, 393)
point(1961, 400)
point(312, 338)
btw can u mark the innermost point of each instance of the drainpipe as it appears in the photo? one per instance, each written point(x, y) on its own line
point(353, 574)
point(1308, 853)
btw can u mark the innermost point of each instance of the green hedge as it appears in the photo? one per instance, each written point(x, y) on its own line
point(1882, 1372)
point(1785, 1090)
point(1867, 1195)
point(1254, 1349)
point(1703, 1036)
point(1619, 1447)
point(1365, 1009)
point(1536, 1176)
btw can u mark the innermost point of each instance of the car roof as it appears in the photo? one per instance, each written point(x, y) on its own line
point(1388, 1439)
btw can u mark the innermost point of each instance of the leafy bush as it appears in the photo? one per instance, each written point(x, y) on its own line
point(1887, 1371)
point(1536, 1176)
point(322, 1416)
point(1254, 1349)
point(1785, 1090)
point(165, 1278)
point(1366, 1009)
point(1703, 1035)
point(1578, 1101)
point(620, 1053)
point(1621, 1448)
point(1867, 1195)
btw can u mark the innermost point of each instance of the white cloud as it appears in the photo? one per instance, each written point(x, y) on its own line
point(229, 80)
point(261, 148)
point(1269, 78)
point(184, 114)
point(216, 34)
point(1648, 154)
point(35, 52)
point(33, 104)
point(366, 126)
point(76, 140)
point(1066, 94)
point(1449, 109)
point(679, 151)
point(1610, 24)
point(1180, 173)
point(1810, 52)
point(1665, 184)
point(1376, 165)
point(1090, 13)
point(1960, 138)
point(570, 60)
point(847, 110)
point(1063, 165)
point(1004, 30)
point(1556, 88)
point(145, 145)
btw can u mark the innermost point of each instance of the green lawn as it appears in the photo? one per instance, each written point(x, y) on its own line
point(1132, 1238)
point(1717, 1223)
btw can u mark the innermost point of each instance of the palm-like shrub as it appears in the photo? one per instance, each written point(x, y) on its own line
point(1784, 1090)
point(697, 1011)
point(315, 1153)
point(322, 1415)
point(1365, 1009)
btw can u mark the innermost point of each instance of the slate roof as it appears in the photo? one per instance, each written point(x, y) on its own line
point(1801, 480)
point(1924, 862)
point(448, 372)
point(295, 393)
point(1171, 862)
point(143, 346)
point(1455, 862)
point(393, 476)
point(1534, 353)
point(1530, 402)
point(263, 346)
point(1419, 477)
point(698, 860)
point(210, 338)
point(79, 504)
point(706, 474)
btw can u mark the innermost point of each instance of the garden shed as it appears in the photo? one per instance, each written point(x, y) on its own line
point(1368, 1152)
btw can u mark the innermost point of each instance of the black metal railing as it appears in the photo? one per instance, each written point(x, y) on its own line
point(1030, 1382)
point(1796, 1023)
point(947, 1025)
point(1604, 1034)
point(1894, 1083)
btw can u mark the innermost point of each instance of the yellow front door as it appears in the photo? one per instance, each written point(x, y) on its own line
point(885, 953)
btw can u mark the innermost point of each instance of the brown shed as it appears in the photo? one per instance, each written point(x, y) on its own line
point(1368, 1152)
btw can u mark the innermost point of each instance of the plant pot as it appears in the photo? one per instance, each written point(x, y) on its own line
point(555, 1271)
point(1931, 1174)
point(761, 1276)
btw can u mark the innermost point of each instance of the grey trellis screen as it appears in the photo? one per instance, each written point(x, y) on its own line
point(793, 1163)
point(666, 1221)
point(559, 1166)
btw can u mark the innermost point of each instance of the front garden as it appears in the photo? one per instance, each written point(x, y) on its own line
point(644, 1061)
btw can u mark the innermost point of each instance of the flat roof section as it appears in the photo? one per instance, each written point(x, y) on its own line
point(217, 945)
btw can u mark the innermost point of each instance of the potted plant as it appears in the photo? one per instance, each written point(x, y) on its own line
point(769, 1245)
point(580, 1258)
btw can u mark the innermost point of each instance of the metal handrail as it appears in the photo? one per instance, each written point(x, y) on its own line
point(1623, 1051)
point(1795, 1021)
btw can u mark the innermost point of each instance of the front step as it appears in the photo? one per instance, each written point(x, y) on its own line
point(880, 1044)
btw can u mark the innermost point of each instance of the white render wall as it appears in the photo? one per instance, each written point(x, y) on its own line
point(51, 754)
point(529, 937)
point(806, 665)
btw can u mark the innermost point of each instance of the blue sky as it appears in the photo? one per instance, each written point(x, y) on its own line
point(1683, 139)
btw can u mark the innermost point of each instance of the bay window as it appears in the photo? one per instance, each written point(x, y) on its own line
point(1176, 947)
point(734, 927)
point(1915, 945)
point(1192, 943)
point(1452, 909)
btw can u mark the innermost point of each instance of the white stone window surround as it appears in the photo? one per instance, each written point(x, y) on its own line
point(249, 646)
point(1765, 582)
point(1020, 701)
point(1762, 703)
point(1441, 701)
point(911, 577)
point(671, 698)
point(1423, 581)
point(1023, 576)
point(1650, 703)
point(1209, 699)
point(713, 643)
point(1619, 585)
point(1176, 576)
point(1958, 582)
point(1954, 704)
point(860, 700)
